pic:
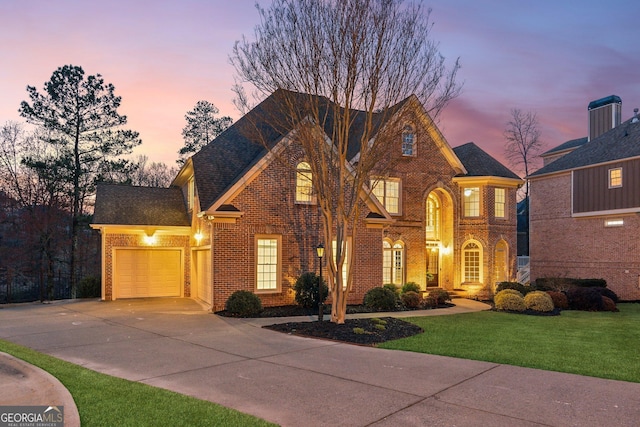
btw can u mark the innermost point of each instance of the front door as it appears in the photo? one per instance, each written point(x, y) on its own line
point(433, 267)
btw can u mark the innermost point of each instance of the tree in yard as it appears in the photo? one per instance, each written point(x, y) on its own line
point(79, 115)
point(154, 174)
point(339, 68)
point(523, 144)
point(202, 127)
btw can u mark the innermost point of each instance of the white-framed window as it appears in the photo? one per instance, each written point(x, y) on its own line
point(347, 259)
point(268, 263)
point(432, 220)
point(471, 201)
point(304, 183)
point(472, 262)
point(615, 178)
point(392, 262)
point(387, 191)
point(408, 141)
point(500, 203)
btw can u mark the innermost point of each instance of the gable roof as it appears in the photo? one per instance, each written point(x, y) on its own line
point(567, 146)
point(619, 143)
point(129, 205)
point(478, 162)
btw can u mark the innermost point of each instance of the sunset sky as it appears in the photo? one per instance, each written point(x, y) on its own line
point(548, 56)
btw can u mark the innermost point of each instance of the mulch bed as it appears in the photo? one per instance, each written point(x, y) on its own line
point(348, 331)
point(295, 310)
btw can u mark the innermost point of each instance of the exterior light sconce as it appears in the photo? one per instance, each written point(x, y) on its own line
point(445, 250)
point(467, 192)
point(198, 236)
point(150, 237)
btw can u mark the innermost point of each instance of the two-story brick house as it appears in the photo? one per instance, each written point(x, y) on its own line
point(440, 217)
point(585, 204)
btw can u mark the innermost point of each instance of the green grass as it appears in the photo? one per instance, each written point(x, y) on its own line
point(602, 344)
point(103, 400)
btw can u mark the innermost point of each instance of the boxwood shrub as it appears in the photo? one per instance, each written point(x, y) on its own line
point(380, 299)
point(410, 287)
point(514, 285)
point(559, 299)
point(508, 300)
point(243, 304)
point(306, 288)
point(586, 299)
point(411, 299)
point(538, 301)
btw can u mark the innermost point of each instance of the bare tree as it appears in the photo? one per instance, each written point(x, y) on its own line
point(153, 174)
point(338, 69)
point(523, 144)
point(202, 127)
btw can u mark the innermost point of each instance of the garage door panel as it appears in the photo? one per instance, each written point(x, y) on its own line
point(148, 273)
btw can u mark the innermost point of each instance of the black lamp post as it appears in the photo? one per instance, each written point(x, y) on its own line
point(320, 251)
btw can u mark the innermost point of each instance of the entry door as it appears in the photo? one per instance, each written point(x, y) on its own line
point(203, 275)
point(433, 266)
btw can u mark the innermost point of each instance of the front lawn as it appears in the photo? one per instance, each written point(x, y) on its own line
point(103, 400)
point(598, 344)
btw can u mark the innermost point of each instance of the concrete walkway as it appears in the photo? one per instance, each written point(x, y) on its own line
point(295, 381)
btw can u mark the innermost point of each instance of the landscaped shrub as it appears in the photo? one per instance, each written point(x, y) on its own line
point(393, 288)
point(514, 285)
point(243, 304)
point(436, 297)
point(381, 299)
point(306, 288)
point(609, 304)
point(510, 291)
point(410, 299)
point(89, 287)
point(590, 283)
point(559, 299)
point(410, 287)
point(509, 300)
point(586, 299)
point(538, 301)
point(606, 292)
point(565, 283)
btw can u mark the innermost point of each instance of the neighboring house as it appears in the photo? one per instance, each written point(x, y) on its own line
point(237, 217)
point(585, 204)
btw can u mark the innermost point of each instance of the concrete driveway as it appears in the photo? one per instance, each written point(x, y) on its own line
point(293, 381)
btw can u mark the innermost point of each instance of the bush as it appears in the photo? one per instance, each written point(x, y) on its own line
point(393, 288)
point(586, 299)
point(410, 287)
point(435, 298)
point(243, 304)
point(515, 286)
point(306, 288)
point(565, 283)
point(538, 301)
point(508, 300)
point(606, 292)
point(410, 299)
point(380, 299)
point(89, 287)
point(511, 291)
point(559, 299)
point(609, 304)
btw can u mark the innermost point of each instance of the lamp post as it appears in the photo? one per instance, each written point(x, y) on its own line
point(320, 251)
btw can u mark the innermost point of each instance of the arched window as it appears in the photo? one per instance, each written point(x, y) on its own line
point(304, 183)
point(432, 225)
point(472, 262)
point(393, 262)
point(408, 141)
point(501, 261)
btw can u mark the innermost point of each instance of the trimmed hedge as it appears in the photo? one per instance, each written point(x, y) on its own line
point(559, 299)
point(523, 289)
point(564, 283)
point(411, 299)
point(586, 299)
point(243, 304)
point(410, 287)
point(381, 299)
point(508, 300)
point(538, 301)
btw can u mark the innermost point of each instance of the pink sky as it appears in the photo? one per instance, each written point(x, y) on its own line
point(551, 57)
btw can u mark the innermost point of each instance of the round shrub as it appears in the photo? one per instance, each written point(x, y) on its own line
point(410, 299)
point(410, 287)
point(606, 292)
point(510, 301)
point(515, 286)
point(586, 299)
point(440, 296)
point(393, 288)
point(243, 304)
point(511, 291)
point(306, 288)
point(559, 299)
point(609, 304)
point(538, 301)
point(381, 299)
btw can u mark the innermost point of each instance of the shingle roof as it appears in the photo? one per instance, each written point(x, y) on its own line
point(619, 143)
point(129, 205)
point(478, 163)
point(567, 145)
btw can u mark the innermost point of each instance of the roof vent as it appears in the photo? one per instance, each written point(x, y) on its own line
point(635, 116)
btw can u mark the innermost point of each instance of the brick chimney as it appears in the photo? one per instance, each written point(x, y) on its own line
point(604, 114)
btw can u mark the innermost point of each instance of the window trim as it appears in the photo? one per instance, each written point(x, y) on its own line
point(503, 203)
point(393, 249)
point(463, 252)
point(616, 179)
point(465, 202)
point(437, 218)
point(376, 181)
point(300, 172)
point(278, 279)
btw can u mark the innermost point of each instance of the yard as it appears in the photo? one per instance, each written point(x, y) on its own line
point(598, 344)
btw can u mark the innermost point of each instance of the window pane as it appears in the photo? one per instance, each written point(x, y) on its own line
point(615, 177)
point(471, 198)
point(304, 183)
point(392, 196)
point(500, 203)
point(267, 264)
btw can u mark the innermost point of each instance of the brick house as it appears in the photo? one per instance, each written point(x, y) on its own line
point(585, 204)
point(238, 217)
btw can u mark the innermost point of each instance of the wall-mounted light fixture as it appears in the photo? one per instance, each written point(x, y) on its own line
point(467, 192)
point(150, 237)
point(198, 236)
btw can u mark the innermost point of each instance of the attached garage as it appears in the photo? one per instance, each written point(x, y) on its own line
point(143, 273)
point(202, 262)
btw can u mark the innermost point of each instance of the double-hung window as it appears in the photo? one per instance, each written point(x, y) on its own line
point(387, 191)
point(268, 259)
point(471, 201)
point(500, 203)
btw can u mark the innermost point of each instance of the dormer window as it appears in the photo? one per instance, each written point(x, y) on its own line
point(408, 141)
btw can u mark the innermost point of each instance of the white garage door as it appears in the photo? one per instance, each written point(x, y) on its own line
point(147, 273)
point(203, 275)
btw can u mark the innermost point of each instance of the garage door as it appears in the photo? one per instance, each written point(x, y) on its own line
point(147, 273)
point(203, 275)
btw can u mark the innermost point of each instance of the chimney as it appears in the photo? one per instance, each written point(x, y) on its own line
point(604, 114)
